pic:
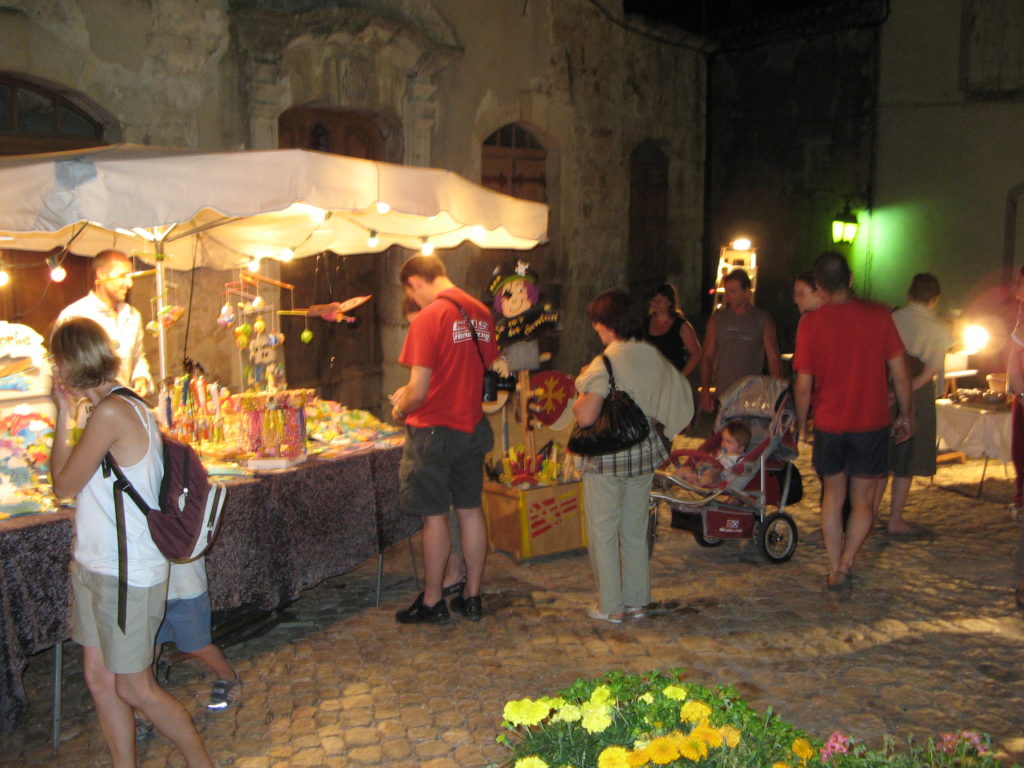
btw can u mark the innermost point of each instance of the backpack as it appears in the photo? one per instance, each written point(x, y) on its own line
point(184, 524)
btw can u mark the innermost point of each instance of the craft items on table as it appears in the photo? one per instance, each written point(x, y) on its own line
point(26, 437)
point(335, 430)
point(272, 427)
point(23, 364)
point(196, 410)
point(520, 468)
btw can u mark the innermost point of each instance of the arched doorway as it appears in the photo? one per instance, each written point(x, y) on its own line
point(342, 361)
point(648, 218)
point(38, 117)
point(513, 160)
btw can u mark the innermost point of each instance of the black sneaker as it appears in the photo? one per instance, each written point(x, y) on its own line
point(225, 693)
point(418, 613)
point(470, 607)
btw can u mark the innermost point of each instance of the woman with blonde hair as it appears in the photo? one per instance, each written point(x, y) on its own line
point(116, 632)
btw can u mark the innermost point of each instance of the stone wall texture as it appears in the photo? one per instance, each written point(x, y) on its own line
point(588, 83)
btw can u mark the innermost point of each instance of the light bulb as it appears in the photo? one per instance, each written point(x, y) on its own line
point(58, 273)
point(254, 264)
point(975, 338)
point(427, 248)
point(373, 241)
point(741, 244)
point(285, 254)
point(382, 207)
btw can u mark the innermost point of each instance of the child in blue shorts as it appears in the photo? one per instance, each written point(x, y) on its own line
point(187, 624)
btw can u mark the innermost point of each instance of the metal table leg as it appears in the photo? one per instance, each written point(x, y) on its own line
point(58, 677)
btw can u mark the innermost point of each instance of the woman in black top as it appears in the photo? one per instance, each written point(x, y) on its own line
point(668, 330)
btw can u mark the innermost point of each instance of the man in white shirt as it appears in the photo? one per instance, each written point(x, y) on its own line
point(106, 304)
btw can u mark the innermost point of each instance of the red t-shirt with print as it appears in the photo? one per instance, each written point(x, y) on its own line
point(440, 340)
point(846, 347)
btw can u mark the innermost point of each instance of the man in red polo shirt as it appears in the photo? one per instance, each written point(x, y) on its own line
point(846, 352)
point(449, 345)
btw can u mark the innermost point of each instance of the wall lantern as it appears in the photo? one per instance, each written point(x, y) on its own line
point(844, 226)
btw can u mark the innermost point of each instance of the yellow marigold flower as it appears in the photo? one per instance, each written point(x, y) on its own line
point(710, 736)
point(530, 762)
point(596, 718)
point(646, 698)
point(567, 713)
point(700, 746)
point(689, 750)
point(802, 748)
point(525, 712)
point(601, 695)
point(781, 765)
point(730, 734)
point(694, 712)
point(613, 757)
point(638, 758)
point(663, 750)
point(676, 692)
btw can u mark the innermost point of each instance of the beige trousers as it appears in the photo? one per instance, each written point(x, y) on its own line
point(616, 514)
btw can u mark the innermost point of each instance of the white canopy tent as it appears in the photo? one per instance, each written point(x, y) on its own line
point(180, 209)
point(245, 204)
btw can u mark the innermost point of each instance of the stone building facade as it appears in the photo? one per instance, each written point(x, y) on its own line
point(606, 104)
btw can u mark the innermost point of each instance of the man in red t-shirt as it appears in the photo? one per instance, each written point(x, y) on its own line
point(846, 352)
point(449, 346)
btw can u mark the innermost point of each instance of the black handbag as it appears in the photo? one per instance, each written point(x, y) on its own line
point(620, 425)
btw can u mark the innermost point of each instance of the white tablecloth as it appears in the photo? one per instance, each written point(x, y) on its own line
point(973, 431)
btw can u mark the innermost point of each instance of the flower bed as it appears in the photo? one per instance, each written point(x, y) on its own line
point(630, 721)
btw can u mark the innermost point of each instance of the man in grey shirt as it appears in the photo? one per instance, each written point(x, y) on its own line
point(738, 339)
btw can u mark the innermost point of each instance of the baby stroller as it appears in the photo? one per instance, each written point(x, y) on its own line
point(737, 507)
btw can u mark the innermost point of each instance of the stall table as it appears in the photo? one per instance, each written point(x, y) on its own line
point(281, 533)
point(978, 432)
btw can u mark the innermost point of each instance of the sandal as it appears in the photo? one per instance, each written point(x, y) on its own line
point(635, 613)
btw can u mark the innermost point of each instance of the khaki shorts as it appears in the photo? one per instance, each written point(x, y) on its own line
point(94, 619)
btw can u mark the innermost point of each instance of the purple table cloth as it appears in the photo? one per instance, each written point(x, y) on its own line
point(281, 533)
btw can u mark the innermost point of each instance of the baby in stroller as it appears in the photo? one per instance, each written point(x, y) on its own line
point(735, 437)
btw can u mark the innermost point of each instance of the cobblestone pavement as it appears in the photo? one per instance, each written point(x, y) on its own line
point(929, 642)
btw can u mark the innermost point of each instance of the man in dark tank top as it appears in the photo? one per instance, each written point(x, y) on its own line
point(739, 339)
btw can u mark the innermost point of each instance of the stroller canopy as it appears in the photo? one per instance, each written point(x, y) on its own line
point(766, 400)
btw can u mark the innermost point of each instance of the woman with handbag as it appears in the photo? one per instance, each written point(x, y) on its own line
point(630, 382)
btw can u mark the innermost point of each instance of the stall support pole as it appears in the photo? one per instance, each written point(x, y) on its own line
point(524, 390)
point(58, 677)
point(161, 332)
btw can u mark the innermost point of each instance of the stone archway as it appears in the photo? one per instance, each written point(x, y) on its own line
point(356, 59)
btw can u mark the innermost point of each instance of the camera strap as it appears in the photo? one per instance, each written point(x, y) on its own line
point(472, 330)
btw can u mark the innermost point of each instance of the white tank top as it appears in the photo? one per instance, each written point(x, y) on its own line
point(95, 547)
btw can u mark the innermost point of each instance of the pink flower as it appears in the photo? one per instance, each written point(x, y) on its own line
point(837, 743)
point(974, 739)
point(947, 742)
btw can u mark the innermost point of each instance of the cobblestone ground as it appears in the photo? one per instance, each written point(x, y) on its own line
point(929, 642)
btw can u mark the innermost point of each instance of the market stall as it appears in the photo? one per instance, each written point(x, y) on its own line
point(334, 505)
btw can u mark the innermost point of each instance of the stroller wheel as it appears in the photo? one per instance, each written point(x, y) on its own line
point(707, 541)
point(776, 537)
